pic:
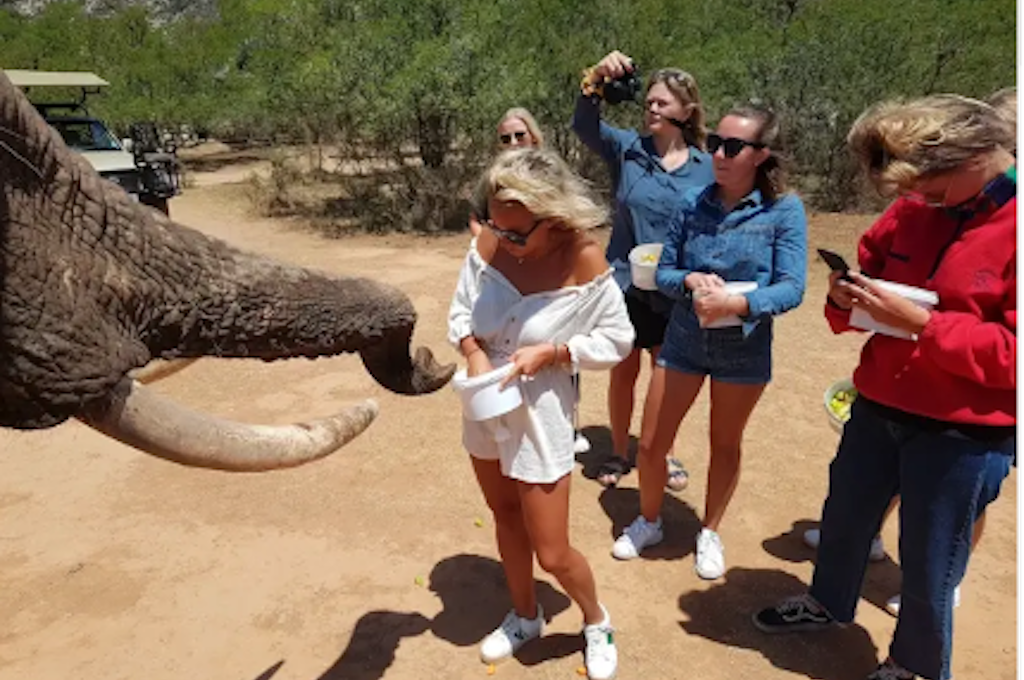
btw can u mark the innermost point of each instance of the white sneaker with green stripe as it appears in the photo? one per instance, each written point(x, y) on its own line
point(600, 656)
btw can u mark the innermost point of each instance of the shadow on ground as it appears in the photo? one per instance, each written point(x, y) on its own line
point(881, 580)
point(474, 599)
point(722, 614)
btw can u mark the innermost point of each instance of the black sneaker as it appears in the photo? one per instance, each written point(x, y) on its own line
point(890, 670)
point(795, 615)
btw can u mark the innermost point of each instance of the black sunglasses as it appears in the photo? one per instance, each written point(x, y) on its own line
point(731, 145)
point(513, 237)
point(507, 139)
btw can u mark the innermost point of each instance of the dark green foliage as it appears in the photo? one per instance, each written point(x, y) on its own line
point(429, 78)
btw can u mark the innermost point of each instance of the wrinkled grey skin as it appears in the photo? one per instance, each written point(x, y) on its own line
point(93, 285)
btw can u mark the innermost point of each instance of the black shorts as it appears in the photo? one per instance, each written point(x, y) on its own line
point(649, 325)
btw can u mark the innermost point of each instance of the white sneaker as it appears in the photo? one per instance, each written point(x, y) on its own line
point(637, 536)
point(812, 539)
point(581, 445)
point(710, 559)
point(513, 633)
point(600, 656)
point(892, 605)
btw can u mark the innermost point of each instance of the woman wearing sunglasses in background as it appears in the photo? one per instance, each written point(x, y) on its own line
point(518, 127)
point(536, 291)
point(936, 415)
point(742, 228)
point(650, 173)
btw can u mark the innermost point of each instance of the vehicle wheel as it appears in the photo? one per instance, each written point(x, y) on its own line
point(158, 202)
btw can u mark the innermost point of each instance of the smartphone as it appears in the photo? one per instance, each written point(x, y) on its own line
point(835, 262)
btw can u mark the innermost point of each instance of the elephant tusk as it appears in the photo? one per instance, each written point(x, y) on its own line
point(138, 417)
point(158, 369)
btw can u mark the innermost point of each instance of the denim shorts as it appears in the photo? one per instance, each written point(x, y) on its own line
point(722, 353)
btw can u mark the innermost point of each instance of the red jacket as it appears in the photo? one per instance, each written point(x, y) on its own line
point(963, 366)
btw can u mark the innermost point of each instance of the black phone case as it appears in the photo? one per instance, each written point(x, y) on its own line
point(835, 261)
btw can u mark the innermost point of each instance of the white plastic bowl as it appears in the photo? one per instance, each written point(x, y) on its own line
point(919, 296)
point(732, 288)
point(642, 267)
point(834, 419)
point(482, 396)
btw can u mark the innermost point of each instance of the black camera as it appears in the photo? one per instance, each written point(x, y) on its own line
point(624, 88)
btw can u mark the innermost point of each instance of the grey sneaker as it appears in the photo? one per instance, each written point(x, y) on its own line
point(637, 536)
point(513, 633)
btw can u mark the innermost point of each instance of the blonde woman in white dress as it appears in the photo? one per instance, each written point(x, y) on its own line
point(536, 291)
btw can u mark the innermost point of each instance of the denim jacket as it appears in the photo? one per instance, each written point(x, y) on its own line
point(755, 241)
point(646, 195)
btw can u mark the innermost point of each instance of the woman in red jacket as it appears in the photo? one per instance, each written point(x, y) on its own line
point(936, 417)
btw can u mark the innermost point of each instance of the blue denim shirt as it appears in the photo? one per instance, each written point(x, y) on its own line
point(755, 241)
point(646, 195)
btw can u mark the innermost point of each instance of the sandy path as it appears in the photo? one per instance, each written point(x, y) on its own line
point(115, 565)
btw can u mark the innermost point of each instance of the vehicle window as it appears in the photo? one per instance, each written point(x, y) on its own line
point(86, 135)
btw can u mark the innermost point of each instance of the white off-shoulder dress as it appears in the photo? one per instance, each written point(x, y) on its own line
point(535, 442)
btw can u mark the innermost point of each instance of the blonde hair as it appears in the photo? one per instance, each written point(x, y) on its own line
point(898, 143)
point(545, 185)
point(528, 120)
point(683, 87)
point(1005, 102)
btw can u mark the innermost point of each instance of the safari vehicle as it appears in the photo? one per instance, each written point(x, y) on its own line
point(139, 163)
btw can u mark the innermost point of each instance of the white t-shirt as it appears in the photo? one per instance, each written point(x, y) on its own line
point(535, 443)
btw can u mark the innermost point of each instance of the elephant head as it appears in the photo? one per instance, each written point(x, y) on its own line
point(94, 285)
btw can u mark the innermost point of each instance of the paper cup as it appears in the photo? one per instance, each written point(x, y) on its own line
point(643, 263)
point(482, 398)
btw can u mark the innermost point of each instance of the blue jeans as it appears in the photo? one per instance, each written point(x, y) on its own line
point(945, 481)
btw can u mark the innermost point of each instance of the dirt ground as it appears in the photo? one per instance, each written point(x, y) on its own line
point(379, 562)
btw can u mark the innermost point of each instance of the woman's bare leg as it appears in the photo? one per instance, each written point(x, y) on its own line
point(621, 392)
point(546, 515)
point(669, 398)
point(731, 406)
point(514, 546)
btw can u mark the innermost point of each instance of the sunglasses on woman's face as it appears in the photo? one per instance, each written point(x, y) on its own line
point(513, 237)
point(731, 146)
point(507, 138)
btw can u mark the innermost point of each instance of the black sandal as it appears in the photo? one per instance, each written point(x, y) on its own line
point(614, 468)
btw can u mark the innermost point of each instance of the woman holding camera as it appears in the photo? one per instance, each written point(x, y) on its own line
point(650, 173)
point(536, 292)
point(743, 228)
point(936, 415)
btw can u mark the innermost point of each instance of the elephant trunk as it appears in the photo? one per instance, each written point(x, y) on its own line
point(138, 417)
point(235, 304)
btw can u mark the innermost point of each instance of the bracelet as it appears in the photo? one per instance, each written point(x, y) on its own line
point(474, 351)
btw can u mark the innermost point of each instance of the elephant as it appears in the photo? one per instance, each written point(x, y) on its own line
point(94, 286)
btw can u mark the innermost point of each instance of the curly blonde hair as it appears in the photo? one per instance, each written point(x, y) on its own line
point(898, 142)
point(545, 185)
